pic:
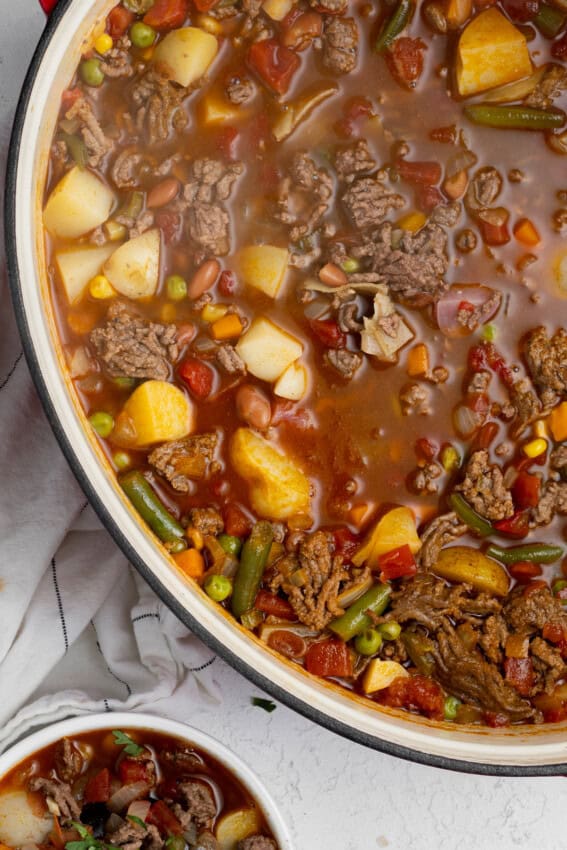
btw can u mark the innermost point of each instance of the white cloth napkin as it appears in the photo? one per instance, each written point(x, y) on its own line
point(63, 580)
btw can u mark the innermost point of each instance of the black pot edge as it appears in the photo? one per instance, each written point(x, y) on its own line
point(193, 624)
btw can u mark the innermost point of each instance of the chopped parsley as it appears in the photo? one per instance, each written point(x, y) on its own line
point(131, 748)
point(266, 704)
point(87, 842)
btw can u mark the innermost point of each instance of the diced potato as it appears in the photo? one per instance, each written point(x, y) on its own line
point(468, 565)
point(214, 110)
point(278, 487)
point(396, 528)
point(133, 269)
point(268, 350)
point(236, 826)
point(380, 674)
point(79, 203)
point(156, 412)
point(277, 9)
point(491, 52)
point(184, 55)
point(79, 266)
point(292, 384)
point(263, 267)
point(19, 823)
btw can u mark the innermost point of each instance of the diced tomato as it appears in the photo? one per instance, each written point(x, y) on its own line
point(421, 173)
point(419, 693)
point(555, 633)
point(520, 673)
point(170, 224)
point(404, 59)
point(485, 356)
point(494, 234)
point(329, 658)
point(397, 563)
point(428, 197)
point(288, 643)
point(204, 5)
point(425, 449)
point(346, 543)
point(524, 571)
point(271, 603)
point(525, 490)
point(445, 135)
point(274, 63)
point(328, 332)
point(236, 523)
point(227, 283)
point(97, 789)
point(288, 412)
point(552, 707)
point(517, 526)
point(559, 48)
point(496, 720)
point(521, 10)
point(160, 815)
point(167, 14)
point(226, 142)
point(131, 770)
point(118, 21)
point(197, 376)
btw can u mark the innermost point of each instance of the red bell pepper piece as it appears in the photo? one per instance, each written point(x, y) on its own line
point(160, 815)
point(397, 563)
point(520, 674)
point(404, 59)
point(274, 63)
point(97, 789)
point(329, 658)
point(525, 490)
point(328, 332)
point(167, 14)
point(271, 603)
point(118, 21)
point(197, 376)
point(236, 523)
point(517, 526)
point(346, 543)
point(131, 770)
point(425, 449)
point(421, 173)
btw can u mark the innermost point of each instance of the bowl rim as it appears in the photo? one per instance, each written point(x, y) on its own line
point(144, 720)
point(285, 696)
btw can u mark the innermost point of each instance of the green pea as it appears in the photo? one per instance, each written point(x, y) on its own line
point(102, 422)
point(176, 288)
point(350, 265)
point(451, 707)
point(218, 587)
point(231, 545)
point(390, 630)
point(122, 460)
point(176, 546)
point(142, 35)
point(124, 383)
point(368, 642)
point(91, 72)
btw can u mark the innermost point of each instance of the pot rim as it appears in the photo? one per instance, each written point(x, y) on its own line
point(279, 692)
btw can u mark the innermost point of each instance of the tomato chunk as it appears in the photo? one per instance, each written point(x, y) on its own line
point(197, 376)
point(520, 674)
point(404, 59)
point(167, 14)
point(397, 563)
point(346, 543)
point(525, 490)
point(419, 693)
point(271, 603)
point(161, 816)
point(118, 21)
point(97, 789)
point(236, 523)
point(274, 63)
point(131, 770)
point(329, 658)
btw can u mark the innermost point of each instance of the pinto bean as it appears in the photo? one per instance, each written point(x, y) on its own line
point(253, 407)
point(163, 193)
point(456, 186)
point(303, 30)
point(332, 275)
point(203, 279)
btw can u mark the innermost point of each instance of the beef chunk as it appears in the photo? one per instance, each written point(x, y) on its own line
point(257, 842)
point(206, 520)
point(125, 169)
point(96, 143)
point(182, 760)
point(117, 62)
point(184, 461)
point(330, 7)
point(240, 90)
point(551, 86)
point(429, 602)
point(158, 106)
point(209, 227)
point(129, 836)
point(132, 347)
point(230, 360)
point(340, 45)
point(440, 532)
point(68, 761)
point(303, 196)
point(524, 407)
point(344, 362)
point(60, 793)
point(548, 664)
point(527, 611)
point(493, 638)
point(368, 201)
point(484, 490)
point(447, 215)
point(546, 358)
point(552, 500)
point(198, 802)
point(483, 189)
point(412, 265)
point(353, 160)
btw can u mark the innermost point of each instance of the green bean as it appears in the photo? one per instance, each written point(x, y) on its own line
point(470, 517)
point(76, 148)
point(355, 619)
point(151, 508)
point(537, 553)
point(419, 648)
point(393, 26)
point(515, 117)
point(549, 21)
point(252, 565)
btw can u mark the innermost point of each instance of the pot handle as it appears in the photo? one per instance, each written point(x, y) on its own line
point(48, 5)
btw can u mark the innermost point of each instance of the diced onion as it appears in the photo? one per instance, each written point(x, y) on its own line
point(465, 421)
point(122, 798)
point(139, 809)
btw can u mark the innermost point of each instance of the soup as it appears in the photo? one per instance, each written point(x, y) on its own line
point(309, 270)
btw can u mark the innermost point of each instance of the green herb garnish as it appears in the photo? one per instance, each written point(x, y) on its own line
point(138, 821)
point(88, 841)
point(131, 748)
point(266, 704)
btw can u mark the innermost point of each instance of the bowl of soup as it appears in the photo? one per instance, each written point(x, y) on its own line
point(291, 281)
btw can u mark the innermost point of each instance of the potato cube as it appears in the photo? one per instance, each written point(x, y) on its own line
point(292, 384)
point(156, 412)
point(470, 566)
point(79, 203)
point(491, 52)
point(396, 528)
point(277, 9)
point(235, 826)
point(267, 349)
point(184, 55)
point(278, 487)
point(20, 824)
point(214, 110)
point(133, 269)
point(380, 674)
point(79, 266)
point(263, 267)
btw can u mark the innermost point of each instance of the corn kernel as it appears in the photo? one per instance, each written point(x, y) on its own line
point(412, 222)
point(540, 428)
point(535, 448)
point(196, 538)
point(101, 288)
point(103, 43)
point(168, 312)
point(213, 312)
point(115, 231)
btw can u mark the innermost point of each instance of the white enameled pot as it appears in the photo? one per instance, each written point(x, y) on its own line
point(514, 751)
point(193, 737)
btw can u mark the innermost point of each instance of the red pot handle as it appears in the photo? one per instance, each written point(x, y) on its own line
point(48, 5)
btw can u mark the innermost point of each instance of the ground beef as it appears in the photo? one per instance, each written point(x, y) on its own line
point(414, 399)
point(330, 7)
point(138, 224)
point(354, 159)
point(117, 62)
point(132, 347)
point(202, 200)
point(527, 611)
point(303, 196)
point(230, 360)
point(479, 382)
point(483, 189)
point(96, 143)
point(546, 358)
point(158, 106)
point(124, 171)
point(425, 478)
point(412, 265)
point(447, 215)
point(345, 362)
point(209, 227)
point(184, 461)
point(429, 602)
point(206, 520)
point(552, 500)
point(212, 180)
point(483, 488)
point(524, 406)
point(558, 460)
point(368, 201)
point(198, 802)
point(551, 86)
point(68, 761)
point(60, 793)
point(257, 842)
point(240, 90)
point(340, 45)
point(471, 319)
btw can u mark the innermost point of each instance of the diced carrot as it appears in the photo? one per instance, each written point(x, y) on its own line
point(358, 514)
point(191, 562)
point(228, 327)
point(418, 360)
point(558, 422)
point(526, 233)
point(81, 323)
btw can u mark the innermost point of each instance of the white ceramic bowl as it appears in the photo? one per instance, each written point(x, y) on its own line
point(514, 751)
point(123, 720)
